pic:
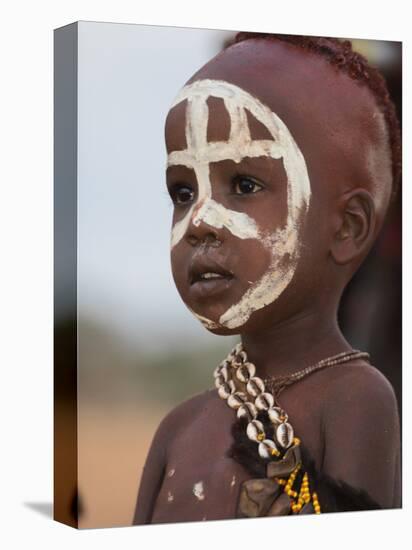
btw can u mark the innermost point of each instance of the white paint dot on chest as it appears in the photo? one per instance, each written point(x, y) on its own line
point(171, 472)
point(233, 482)
point(170, 497)
point(198, 490)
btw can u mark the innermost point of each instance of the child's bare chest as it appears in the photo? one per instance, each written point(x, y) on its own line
point(200, 481)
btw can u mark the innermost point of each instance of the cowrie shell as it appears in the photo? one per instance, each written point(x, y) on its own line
point(265, 448)
point(284, 434)
point(274, 414)
point(224, 371)
point(239, 359)
point(255, 386)
point(247, 410)
point(219, 380)
point(226, 389)
point(238, 348)
point(264, 401)
point(224, 363)
point(245, 372)
point(242, 356)
point(236, 399)
point(254, 428)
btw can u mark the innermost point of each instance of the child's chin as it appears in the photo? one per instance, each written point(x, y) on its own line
point(222, 331)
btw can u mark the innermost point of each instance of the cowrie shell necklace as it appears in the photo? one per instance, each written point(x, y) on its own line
point(236, 381)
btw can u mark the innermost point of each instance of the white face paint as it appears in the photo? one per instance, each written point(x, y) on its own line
point(198, 490)
point(200, 153)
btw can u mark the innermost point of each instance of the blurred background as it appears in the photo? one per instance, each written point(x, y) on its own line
point(140, 351)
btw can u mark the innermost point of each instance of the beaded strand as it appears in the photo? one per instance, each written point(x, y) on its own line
point(279, 383)
point(246, 393)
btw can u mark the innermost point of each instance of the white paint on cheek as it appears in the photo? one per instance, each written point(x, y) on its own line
point(170, 497)
point(198, 490)
point(233, 482)
point(282, 244)
point(171, 472)
point(204, 320)
point(239, 224)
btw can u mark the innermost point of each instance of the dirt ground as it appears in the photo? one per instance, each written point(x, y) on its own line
point(112, 447)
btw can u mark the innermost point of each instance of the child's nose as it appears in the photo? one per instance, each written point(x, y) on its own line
point(198, 231)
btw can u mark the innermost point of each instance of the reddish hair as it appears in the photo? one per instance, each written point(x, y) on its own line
point(340, 54)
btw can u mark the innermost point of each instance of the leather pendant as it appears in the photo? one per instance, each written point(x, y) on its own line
point(284, 466)
point(257, 496)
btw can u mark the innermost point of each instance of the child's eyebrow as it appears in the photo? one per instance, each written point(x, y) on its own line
point(264, 160)
point(264, 168)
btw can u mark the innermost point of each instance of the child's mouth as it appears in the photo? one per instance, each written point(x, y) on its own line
point(206, 287)
point(207, 277)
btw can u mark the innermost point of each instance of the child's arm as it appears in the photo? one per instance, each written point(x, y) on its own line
point(362, 438)
point(157, 458)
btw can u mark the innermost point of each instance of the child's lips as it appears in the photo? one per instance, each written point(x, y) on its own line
point(204, 288)
point(208, 277)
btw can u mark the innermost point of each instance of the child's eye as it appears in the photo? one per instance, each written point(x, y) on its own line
point(181, 194)
point(243, 185)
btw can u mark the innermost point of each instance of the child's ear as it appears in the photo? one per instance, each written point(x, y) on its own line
point(356, 224)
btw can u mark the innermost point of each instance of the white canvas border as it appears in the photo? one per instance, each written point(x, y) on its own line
point(26, 275)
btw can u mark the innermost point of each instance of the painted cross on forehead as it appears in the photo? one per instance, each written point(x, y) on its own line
point(200, 153)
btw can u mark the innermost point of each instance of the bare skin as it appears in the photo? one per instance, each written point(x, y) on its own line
point(347, 415)
point(352, 437)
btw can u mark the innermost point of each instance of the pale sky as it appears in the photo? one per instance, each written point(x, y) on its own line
point(128, 77)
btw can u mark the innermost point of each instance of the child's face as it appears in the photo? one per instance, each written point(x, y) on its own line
point(241, 189)
point(242, 194)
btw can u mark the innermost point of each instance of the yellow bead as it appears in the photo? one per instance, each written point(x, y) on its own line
point(260, 437)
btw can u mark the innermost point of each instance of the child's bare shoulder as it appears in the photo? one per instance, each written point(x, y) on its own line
point(360, 395)
point(361, 431)
point(360, 383)
point(185, 412)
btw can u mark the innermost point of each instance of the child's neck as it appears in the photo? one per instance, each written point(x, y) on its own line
point(297, 343)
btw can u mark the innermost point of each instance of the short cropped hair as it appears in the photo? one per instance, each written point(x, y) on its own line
point(340, 54)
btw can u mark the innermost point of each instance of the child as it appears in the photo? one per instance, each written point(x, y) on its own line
point(283, 156)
